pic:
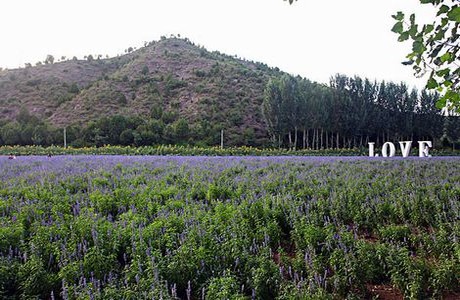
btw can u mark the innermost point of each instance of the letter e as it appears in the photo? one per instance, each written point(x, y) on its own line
point(423, 150)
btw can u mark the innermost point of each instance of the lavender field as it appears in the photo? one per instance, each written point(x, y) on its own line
point(172, 227)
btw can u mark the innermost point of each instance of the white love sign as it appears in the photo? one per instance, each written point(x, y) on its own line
point(389, 149)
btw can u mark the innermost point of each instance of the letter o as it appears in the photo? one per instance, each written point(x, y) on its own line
point(385, 149)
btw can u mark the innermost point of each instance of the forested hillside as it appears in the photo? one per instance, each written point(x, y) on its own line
point(175, 92)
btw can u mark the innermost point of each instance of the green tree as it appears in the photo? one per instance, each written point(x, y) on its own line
point(451, 130)
point(74, 88)
point(271, 109)
point(290, 96)
point(145, 70)
point(181, 129)
point(156, 112)
point(11, 134)
point(127, 137)
point(24, 117)
point(49, 59)
point(39, 135)
point(435, 49)
point(27, 132)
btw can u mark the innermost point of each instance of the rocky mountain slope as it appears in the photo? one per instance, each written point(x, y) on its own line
point(172, 76)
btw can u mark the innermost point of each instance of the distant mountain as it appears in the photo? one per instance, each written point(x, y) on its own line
point(172, 75)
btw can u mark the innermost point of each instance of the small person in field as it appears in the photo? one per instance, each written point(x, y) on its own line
point(12, 156)
point(49, 155)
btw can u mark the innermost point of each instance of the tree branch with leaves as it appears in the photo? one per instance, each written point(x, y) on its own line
point(435, 49)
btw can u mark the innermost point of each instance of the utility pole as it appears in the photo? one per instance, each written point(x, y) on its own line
point(222, 139)
point(65, 139)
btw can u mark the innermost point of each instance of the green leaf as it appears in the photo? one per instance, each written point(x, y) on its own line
point(398, 28)
point(431, 84)
point(443, 9)
point(445, 57)
point(444, 22)
point(455, 98)
point(426, 1)
point(454, 14)
point(399, 16)
point(443, 73)
point(418, 47)
point(413, 30)
point(411, 56)
point(447, 84)
point(439, 35)
point(441, 103)
point(452, 97)
point(412, 19)
point(404, 36)
point(428, 28)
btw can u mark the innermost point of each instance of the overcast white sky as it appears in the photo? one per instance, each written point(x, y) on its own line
point(312, 38)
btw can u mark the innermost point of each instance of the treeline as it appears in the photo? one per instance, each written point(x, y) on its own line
point(28, 130)
point(299, 114)
point(351, 112)
point(160, 128)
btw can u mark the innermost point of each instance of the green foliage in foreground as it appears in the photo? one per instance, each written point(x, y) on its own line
point(228, 228)
point(175, 150)
point(194, 151)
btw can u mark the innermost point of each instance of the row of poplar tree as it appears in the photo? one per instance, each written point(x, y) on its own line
point(350, 112)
